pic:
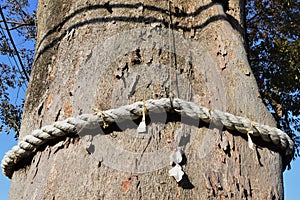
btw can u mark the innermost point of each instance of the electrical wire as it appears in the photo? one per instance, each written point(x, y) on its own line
point(13, 44)
point(9, 57)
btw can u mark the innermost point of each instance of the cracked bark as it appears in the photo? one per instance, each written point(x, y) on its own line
point(72, 75)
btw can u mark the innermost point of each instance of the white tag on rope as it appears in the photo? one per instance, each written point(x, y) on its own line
point(142, 126)
point(250, 143)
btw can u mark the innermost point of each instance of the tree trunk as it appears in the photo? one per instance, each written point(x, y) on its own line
point(104, 55)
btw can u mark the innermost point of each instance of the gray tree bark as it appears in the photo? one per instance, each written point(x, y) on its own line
point(107, 54)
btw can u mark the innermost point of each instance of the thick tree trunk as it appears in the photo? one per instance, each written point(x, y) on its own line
point(107, 54)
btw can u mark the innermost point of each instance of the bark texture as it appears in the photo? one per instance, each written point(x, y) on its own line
point(106, 54)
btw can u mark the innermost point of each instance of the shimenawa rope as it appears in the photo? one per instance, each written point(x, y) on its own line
point(72, 125)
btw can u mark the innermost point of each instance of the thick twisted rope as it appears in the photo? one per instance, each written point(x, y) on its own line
point(72, 125)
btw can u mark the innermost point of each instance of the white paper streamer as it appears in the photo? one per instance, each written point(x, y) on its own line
point(142, 128)
point(250, 143)
point(176, 172)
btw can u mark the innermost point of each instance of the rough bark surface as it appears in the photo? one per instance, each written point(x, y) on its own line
point(82, 62)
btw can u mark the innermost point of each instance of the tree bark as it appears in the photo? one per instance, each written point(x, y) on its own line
point(113, 53)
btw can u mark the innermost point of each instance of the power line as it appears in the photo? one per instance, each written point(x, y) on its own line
point(13, 44)
point(13, 57)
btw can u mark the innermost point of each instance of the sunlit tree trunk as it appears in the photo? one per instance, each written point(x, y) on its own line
point(100, 54)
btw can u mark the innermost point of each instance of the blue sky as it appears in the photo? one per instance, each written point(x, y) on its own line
point(291, 177)
point(6, 143)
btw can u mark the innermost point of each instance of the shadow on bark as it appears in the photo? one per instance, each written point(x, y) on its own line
point(175, 117)
point(185, 183)
point(141, 19)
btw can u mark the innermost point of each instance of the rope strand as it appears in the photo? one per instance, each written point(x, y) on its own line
point(72, 125)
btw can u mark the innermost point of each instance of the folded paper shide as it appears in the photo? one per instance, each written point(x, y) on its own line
point(176, 171)
point(142, 128)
